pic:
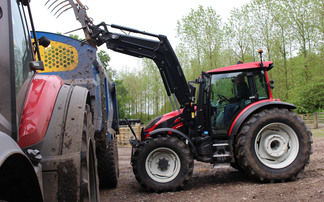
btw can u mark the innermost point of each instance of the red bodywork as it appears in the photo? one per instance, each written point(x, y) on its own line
point(246, 108)
point(244, 66)
point(164, 118)
point(38, 109)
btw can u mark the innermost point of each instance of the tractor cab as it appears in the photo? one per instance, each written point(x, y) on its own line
point(229, 90)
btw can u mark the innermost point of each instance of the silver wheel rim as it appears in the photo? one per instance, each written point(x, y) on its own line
point(162, 165)
point(276, 145)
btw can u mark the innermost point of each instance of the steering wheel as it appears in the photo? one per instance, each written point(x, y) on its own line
point(222, 97)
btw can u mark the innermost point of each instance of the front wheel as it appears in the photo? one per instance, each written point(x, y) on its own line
point(163, 163)
point(273, 145)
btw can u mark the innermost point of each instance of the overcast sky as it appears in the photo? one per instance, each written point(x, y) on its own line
point(159, 17)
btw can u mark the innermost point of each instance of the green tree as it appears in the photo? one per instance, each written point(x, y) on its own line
point(238, 34)
point(311, 97)
point(201, 35)
point(105, 59)
point(123, 98)
point(75, 36)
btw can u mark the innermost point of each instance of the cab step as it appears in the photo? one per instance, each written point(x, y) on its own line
point(222, 165)
point(222, 153)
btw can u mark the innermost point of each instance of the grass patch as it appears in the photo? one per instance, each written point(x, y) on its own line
point(318, 132)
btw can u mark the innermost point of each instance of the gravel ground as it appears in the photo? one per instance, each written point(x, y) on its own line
point(209, 184)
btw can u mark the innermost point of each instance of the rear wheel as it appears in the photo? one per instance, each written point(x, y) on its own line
point(274, 145)
point(163, 163)
point(108, 169)
point(89, 176)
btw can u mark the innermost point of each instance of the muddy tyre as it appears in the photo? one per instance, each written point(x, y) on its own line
point(236, 166)
point(163, 163)
point(108, 169)
point(273, 145)
point(89, 176)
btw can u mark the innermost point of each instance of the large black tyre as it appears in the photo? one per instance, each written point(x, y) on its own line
point(89, 176)
point(163, 163)
point(273, 145)
point(108, 168)
point(235, 164)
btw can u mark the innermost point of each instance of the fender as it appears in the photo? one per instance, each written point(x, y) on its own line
point(62, 129)
point(18, 178)
point(244, 114)
point(61, 145)
point(193, 148)
point(38, 109)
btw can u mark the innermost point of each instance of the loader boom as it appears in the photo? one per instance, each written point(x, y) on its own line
point(160, 51)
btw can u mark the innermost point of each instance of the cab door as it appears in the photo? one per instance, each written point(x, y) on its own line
point(203, 103)
point(15, 74)
point(230, 93)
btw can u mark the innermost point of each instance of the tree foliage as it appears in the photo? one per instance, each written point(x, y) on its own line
point(201, 36)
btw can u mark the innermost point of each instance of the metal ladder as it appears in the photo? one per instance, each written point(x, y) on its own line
point(222, 155)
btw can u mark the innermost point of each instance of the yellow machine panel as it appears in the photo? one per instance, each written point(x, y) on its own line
point(59, 57)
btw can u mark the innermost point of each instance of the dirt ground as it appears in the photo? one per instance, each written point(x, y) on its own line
point(209, 184)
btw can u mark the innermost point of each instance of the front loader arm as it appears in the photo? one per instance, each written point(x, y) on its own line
point(160, 51)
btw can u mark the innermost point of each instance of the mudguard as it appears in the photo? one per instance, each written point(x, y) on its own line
point(248, 111)
point(18, 178)
point(38, 109)
point(61, 145)
point(161, 130)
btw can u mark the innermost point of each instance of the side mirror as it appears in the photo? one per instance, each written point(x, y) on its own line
point(24, 2)
point(36, 65)
point(271, 84)
point(192, 89)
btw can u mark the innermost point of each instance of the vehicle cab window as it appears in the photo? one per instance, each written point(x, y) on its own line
point(23, 53)
point(261, 85)
point(230, 93)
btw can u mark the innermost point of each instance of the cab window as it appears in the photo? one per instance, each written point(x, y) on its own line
point(23, 54)
point(261, 85)
point(230, 93)
point(22, 46)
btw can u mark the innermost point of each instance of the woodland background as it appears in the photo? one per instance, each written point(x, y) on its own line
point(291, 33)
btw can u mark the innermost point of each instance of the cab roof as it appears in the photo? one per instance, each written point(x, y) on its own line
point(245, 66)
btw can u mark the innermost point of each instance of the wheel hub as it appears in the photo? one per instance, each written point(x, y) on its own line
point(163, 164)
point(275, 145)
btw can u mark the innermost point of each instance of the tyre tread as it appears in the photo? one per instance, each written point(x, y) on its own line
point(244, 157)
point(157, 140)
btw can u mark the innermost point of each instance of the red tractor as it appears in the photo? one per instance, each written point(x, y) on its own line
point(47, 148)
point(234, 121)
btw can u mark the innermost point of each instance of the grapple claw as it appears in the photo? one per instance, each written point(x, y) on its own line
point(59, 6)
point(63, 12)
